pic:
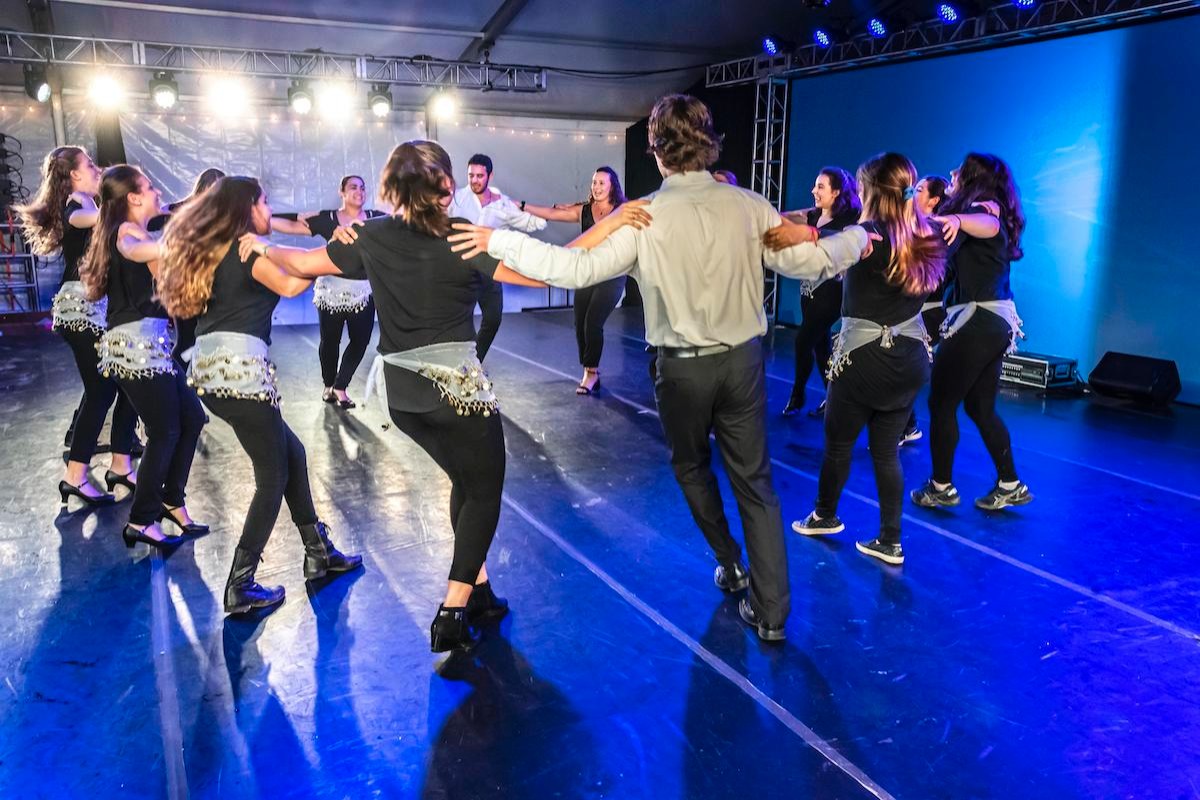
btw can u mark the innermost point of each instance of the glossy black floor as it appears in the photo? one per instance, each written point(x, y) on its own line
point(1048, 652)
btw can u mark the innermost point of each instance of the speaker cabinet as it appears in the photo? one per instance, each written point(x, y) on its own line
point(1154, 381)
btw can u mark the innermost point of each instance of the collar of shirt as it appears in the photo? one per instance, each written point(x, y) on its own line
point(681, 179)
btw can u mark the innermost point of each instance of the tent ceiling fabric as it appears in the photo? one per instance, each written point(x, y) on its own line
point(620, 35)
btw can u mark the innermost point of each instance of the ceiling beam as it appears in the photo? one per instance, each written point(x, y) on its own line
point(482, 46)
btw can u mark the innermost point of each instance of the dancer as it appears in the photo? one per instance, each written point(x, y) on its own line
point(593, 304)
point(710, 379)
point(837, 206)
point(120, 264)
point(61, 217)
point(437, 392)
point(203, 277)
point(482, 204)
point(341, 303)
point(882, 357)
point(981, 327)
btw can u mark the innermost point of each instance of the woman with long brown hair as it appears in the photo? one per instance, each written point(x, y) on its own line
point(981, 327)
point(120, 264)
point(436, 389)
point(203, 277)
point(593, 304)
point(881, 358)
point(60, 218)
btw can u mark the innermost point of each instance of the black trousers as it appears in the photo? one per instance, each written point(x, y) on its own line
point(280, 467)
point(99, 393)
point(359, 324)
point(185, 339)
point(933, 319)
point(876, 390)
point(966, 372)
point(470, 450)
point(491, 303)
point(593, 306)
point(814, 338)
point(725, 394)
point(173, 418)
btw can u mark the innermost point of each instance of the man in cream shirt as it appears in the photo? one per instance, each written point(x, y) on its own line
point(483, 204)
point(700, 266)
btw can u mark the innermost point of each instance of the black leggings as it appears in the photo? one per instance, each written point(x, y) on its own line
point(933, 319)
point(491, 303)
point(471, 451)
point(280, 467)
point(877, 391)
point(98, 395)
point(359, 324)
point(819, 313)
point(593, 306)
point(173, 418)
point(185, 339)
point(966, 371)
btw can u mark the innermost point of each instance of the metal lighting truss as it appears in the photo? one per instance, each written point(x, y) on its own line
point(766, 170)
point(1002, 24)
point(286, 64)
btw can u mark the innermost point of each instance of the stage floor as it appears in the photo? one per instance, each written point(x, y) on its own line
point(1049, 652)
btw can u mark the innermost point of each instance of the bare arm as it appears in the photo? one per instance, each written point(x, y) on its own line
point(505, 275)
point(554, 214)
point(295, 261)
point(296, 227)
point(275, 278)
point(632, 213)
point(137, 245)
point(87, 216)
point(980, 226)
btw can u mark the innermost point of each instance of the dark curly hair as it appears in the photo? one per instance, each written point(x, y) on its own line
point(682, 134)
point(986, 177)
point(844, 184)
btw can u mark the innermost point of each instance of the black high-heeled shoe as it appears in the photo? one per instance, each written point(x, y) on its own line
point(115, 479)
point(67, 490)
point(132, 536)
point(484, 607)
point(328, 396)
point(451, 631)
point(343, 404)
point(192, 528)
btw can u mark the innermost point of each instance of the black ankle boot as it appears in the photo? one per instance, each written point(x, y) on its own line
point(451, 631)
point(320, 556)
point(483, 606)
point(242, 592)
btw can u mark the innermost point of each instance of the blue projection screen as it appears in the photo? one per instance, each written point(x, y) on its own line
point(1102, 132)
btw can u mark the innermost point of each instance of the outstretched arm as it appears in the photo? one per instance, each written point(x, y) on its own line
point(87, 216)
point(136, 244)
point(296, 227)
point(821, 259)
point(277, 279)
point(632, 213)
point(295, 261)
point(554, 213)
point(979, 226)
point(559, 266)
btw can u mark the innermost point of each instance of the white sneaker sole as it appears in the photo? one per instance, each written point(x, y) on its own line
point(803, 531)
point(893, 560)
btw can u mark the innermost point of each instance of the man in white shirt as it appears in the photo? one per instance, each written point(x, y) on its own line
point(483, 204)
point(700, 266)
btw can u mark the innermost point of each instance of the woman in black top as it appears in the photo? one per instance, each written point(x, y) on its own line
point(61, 217)
point(120, 264)
point(595, 304)
point(837, 206)
point(203, 277)
point(981, 327)
point(882, 357)
point(340, 302)
point(437, 392)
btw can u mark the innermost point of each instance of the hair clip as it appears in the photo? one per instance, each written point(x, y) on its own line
point(909, 192)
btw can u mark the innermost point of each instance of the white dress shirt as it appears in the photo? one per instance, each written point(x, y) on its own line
point(699, 264)
point(500, 213)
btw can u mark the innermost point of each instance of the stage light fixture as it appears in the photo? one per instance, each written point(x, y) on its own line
point(36, 85)
point(822, 38)
point(228, 95)
point(300, 97)
point(443, 105)
point(379, 100)
point(164, 90)
point(106, 92)
point(1024, 3)
point(876, 28)
point(770, 45)
point(947, 13)
point(333, 100)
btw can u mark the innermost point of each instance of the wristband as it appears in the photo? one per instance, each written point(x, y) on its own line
point(522, 205)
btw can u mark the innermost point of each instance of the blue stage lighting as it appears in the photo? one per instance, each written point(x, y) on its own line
point(770, 46)
point(876, 28)
point(947, 13)
point(1024, 3)
point(822, 38)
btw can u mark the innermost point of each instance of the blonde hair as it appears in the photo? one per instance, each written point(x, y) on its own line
point(888, 182)
point(198, 237)
point(42, 218)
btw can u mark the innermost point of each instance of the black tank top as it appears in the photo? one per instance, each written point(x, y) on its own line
point(74, 243)
point(130, 290)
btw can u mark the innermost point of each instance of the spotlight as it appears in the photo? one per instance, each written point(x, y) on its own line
point(822, 38)
point(876, 28)
point(105, 92)
point(164, 90)
point(443, 105)
point(947, 13)
point(36, 85)
point(333, 100)
point(771, 45)
point(379, 100)
point(228, 95)
point(300, 97)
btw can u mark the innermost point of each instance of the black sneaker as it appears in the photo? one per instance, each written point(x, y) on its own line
point(731, 579)
point(887, 553)
point(929, 496)
point(765, 632)
point(911, 435)
point(999, 498)
point(812, 525)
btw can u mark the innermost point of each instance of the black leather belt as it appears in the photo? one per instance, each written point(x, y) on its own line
point(697, 352)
